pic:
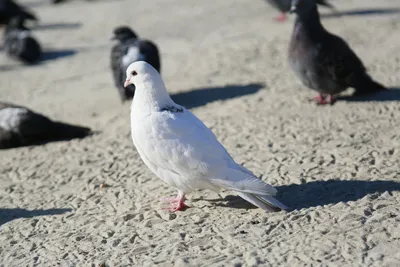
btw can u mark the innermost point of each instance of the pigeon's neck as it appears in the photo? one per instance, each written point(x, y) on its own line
point(309, 23)
point(151, 96)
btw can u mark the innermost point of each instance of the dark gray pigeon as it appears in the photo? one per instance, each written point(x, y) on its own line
point(284, 7)
point(324, 62)
point(9, 10)
point(19, 44)
point(20, 126)
point(129, 49)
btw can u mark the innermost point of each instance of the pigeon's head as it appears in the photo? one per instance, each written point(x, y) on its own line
point(124, 33)
point(140, 72)
point(302, 7)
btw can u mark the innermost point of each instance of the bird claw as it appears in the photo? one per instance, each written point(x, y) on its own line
point(177, 206)
point(175, 203)
point(323, 100)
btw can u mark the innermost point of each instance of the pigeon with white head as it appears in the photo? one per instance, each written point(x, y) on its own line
point(181, 150)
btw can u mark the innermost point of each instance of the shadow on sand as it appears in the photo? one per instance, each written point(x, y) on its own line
point(362, 12)
point(393, 94)
point(7, 215)
point(58, 26)
point(56, 54)
point(200, 97)
point(4, 68)
point(319, 193)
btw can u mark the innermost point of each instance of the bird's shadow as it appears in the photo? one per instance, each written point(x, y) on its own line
point(362, 12)
point(57, 54)
point(318, 193)
point(393, 94)
point(4, 68)
point(36, 3)
point(200, 97)
point(58, 26)
point(7, 215)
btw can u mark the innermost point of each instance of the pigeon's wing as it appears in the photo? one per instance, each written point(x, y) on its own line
point(182, 144)
point(339, 62)
point(118, 74)
point(151, 54)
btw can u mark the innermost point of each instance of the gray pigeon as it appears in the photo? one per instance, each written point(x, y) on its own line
point(130, 48)
point(284, 7)
point(324, 62)
point(20, 126)
point(19, 43)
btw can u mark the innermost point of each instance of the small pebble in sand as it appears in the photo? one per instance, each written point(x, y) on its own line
point(104, 185)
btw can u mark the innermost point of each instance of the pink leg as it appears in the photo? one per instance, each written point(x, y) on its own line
point(281, 17)
point(176, 203)
point(320, 100)
point(325, 99)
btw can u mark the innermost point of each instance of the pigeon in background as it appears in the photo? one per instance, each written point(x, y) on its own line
point(19, 44)
point(9, 10)
point(181, 150)
point(20, 126)
point(128, 50)
point(284, 7)
point(324, 62)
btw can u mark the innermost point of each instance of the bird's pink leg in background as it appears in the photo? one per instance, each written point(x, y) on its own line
point(325, 100)
point(281, 17)
point(176, 203)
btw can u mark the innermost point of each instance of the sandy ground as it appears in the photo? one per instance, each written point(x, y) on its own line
point(338, 166)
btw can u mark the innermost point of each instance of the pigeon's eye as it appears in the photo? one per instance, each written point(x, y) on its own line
point(134, 73)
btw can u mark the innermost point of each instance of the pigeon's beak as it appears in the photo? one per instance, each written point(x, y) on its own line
point(113, 37)
point(127, 82)
point(292, 9)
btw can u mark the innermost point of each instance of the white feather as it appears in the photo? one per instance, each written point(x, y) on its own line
point(10, 118)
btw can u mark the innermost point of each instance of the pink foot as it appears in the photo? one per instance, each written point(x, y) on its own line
point(324, 100)
point(176, 203)
point(281, 17)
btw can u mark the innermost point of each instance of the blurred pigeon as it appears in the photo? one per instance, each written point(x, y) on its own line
point(128, 50)
point(324, 62)
point(181, 150)
point(9, 9)
point(20, 126)
point(284, 7)
point(19, 44)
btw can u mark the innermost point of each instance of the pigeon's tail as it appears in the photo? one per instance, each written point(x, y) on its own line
point(250, 188)
point(325, 3)
point(265, 202)
point(367, 85)
point(63, 131)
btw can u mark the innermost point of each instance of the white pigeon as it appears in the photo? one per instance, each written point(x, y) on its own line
point(181, 150)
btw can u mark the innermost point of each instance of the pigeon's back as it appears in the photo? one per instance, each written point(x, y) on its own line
point(150, 52)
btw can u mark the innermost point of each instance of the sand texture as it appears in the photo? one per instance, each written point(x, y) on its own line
point(337, 166)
